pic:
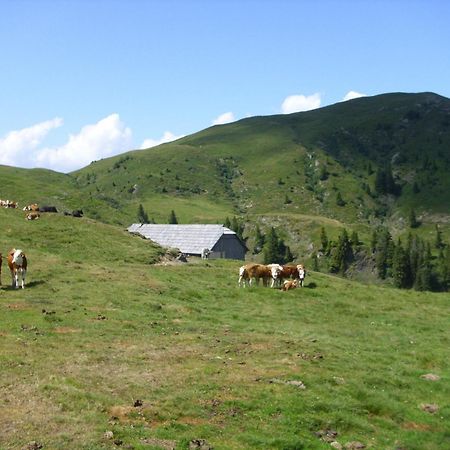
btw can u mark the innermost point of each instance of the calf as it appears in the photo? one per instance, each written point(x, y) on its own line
point(17, 262)
point(289, 284)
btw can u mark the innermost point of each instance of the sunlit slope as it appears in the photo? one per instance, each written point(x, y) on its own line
point(100, 340)
point(296, 163)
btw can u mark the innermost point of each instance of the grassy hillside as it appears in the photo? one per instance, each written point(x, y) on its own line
point(105, 350)
point(290, 171)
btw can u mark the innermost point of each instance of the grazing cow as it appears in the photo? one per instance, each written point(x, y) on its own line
point(32, 216)
point(301, 274)
point(77, 213)
point(255, 272)
point(32, 207)
point(51, 209)
point(289, 284)
point(205, 253)
point(17, 262)
point(8, 204)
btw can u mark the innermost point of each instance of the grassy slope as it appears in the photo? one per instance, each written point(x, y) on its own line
point(98, 328)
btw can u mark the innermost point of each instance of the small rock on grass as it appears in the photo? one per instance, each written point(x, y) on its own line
point(354, 445)
point(33, 445)
point(199, 444)
point(429, 407)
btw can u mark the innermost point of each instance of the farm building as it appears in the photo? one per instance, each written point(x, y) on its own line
point(220, 241)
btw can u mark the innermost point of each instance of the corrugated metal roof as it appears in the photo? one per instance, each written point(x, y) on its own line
point(188, 238)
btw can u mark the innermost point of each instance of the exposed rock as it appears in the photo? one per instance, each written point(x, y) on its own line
point(327, 435)
point(354, 445)
point(336, 445)
point(33, 445)
point(297, 383)
point(199, 444)
point(108, 435)
point(429, 407)
point(138, 403)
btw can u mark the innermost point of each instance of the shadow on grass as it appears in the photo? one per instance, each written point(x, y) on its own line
point(31, 284)
point(311, 285)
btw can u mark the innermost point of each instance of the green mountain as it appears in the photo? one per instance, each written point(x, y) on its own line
point(358, 163)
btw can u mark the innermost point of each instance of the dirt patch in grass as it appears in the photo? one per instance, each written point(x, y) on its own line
point(416, 426)
point(17, 306)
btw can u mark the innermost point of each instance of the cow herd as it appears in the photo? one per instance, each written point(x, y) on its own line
point(33, 211)
point(17, 263)
point(285, 277)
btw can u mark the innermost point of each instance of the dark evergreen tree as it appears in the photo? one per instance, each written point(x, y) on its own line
point(413, 223)
point(354, 240)
point(401, 273)
point(438, 242)
point(342, 254)
point(323, 175)
point(324, 240)
point(384, 253)
point(173, 218)
point(227, 223)
point(275, 250)
point(339, 200)
point(259, 240)
point(142, 216)
point(314, 262)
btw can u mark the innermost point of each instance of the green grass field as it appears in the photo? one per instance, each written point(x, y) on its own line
point(101, 340)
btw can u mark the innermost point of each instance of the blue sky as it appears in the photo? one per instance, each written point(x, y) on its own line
point(82, 80)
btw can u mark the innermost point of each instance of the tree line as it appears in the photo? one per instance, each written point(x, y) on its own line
point(413, 264)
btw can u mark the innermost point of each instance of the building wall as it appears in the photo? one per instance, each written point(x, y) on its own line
point(228, 246)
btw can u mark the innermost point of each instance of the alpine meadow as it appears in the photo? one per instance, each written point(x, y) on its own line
point(114, 343)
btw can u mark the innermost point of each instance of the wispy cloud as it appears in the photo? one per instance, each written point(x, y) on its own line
point(352, 94)
point(16, 147)
point(166, 137)
point(297, 103)
point(107, 137)
point(224, 118)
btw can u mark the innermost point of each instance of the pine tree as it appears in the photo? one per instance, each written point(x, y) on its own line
point(401, 273)
point(354, 240)
point(173, 218)
point(384, 253)
point(259, 240)
point(413, 223)
point(315, 262)
point(438, 243)
point(271, 247)
point(142, 216)
point(342, 254)
point(324, 240)
point(227, 223)
point(339, 200)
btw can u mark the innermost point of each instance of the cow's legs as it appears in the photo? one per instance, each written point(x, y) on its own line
point(24, 272)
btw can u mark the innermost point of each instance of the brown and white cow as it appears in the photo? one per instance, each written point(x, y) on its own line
point(32, 207)
point(254, 272)
point(17, 262)
point(32, 216)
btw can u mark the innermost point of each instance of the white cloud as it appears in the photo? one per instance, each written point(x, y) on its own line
point(167, 137)
point(16, 148)
point(107, 137)
point(353, 94)
point(224, 118)
point(297, 103)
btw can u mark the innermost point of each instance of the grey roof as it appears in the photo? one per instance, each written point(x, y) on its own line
point(188, 238)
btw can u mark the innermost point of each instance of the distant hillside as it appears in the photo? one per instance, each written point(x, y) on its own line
point(357, 163)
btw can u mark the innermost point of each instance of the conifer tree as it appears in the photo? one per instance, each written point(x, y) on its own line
point(227, 223)
point(142, 216)
point(400, 267)
point(259, 240)
point(339, 200)
point(324, 240)
point(173, 218)
point(342, 254)
point(413, 223)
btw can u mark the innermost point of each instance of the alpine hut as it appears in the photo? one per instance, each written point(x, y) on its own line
point(216, 241)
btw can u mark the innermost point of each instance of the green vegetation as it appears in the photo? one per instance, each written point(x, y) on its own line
point(102, 340)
